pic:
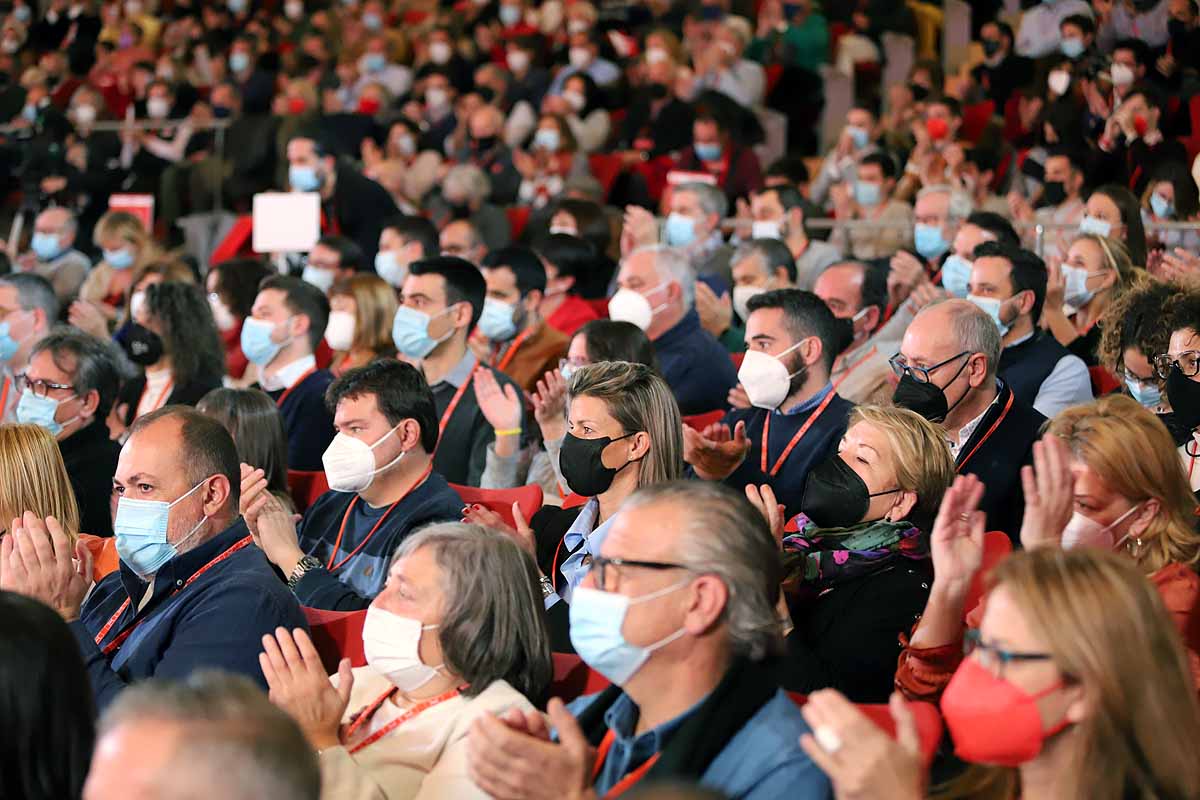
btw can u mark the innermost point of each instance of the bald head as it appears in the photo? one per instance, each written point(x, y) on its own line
point(945, 329)
point(486, 121)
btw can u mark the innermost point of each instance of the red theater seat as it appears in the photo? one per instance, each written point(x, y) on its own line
point(306, 487)
point(337, 635)
point(500, 500)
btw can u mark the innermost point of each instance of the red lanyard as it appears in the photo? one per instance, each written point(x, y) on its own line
point(962, 465)
point(855, 366)
point(629, 780)
point(368, 712)
point(787, 451)
point(512, 350)
point(158, 401)
point(454, 402)
point(342, 528)
point(4, 396)
point(290, 389)
point(125, 634)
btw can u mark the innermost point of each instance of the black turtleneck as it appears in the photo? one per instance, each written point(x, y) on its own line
point(91, 460)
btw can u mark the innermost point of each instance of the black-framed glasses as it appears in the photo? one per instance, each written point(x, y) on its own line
point(600, 564)
point(39, 387)
point(993, 656)
point(1187, 362)
point(900, 366)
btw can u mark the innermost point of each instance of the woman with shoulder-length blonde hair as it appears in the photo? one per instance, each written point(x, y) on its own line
point(857, 569)
point(1074, 685)
point(35, 479)
point(127, 248)
point(623, 432)
point(1106, 476)
point(360, 321)
point(1096, 271)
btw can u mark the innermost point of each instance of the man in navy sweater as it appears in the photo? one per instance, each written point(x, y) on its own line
point(286, 323)
point(657, 293)
point(383, 487)
point(192, 591)
point(796, 419)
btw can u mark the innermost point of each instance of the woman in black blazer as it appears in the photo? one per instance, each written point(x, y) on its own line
point(174, 340)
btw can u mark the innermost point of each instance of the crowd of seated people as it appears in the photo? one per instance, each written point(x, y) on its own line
point(666, 403)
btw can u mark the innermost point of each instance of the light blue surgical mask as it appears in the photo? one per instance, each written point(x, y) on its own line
point(708, 151)
point(547, 139)
point(929, 241)
point(140, 528)
point(1072, 47)
point(256, 341)
point(596, 621)
point(323, 279)
point(239, 62)
point(29, 112)
point(1161, 206)
point(372, 22)
point(410, 332)
point(991, 307)
point(34, 410)
point(496, 322)
point(304, 179)
point(388, 267)
point(956, 275)
point(510, 15)
point(867, 193)
point(118, 259)
point(860, 137)
point(567, 369)
point(45, 246)
point(1095, 225)
point(374, 62)
point(236, 6)
point(8, 345)
point(1147, 394)
point(679, 231)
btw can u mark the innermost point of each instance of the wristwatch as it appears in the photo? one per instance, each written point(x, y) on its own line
point(302, 567)
point(547, 587)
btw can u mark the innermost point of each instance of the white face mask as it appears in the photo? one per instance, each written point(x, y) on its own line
point(766, 229)
point(339, 331)
point(765, 378)
point(222, 316)
point(1059, 81)
point(630, 306)
point(350, 463)
point(1084, 532)
point(392, 645)
point(137, 301)
point(323, 279)
point(741, 299)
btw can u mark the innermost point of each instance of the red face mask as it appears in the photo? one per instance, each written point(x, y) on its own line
point(937, 127)
point(991, 720)
point(368, 105)
point(296, 105)
point(1140, 125)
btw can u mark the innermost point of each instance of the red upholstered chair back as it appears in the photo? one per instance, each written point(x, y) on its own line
point(996, 547)
point(306, 487)
point(698, 422)
point(500, 501)
point(337, 635)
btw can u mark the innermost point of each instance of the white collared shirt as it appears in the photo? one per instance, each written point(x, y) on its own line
point(966, 431)
point(288, 376)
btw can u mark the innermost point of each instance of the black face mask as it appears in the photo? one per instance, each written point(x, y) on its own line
point(143, 346)
point(483, 143)
point(1180, 434)
point(657, 91)
point(582, 466)
point(1053, 193)
point(1184, 395)
point(835, 496)
point(460, 211)
point(927, 399)
point(990, 47)
point(1176, 28)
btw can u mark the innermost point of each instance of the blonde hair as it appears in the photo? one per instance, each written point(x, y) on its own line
point(129, 229)
point(35, 478)
point(374, 308)
point(1131, 451)
point(1107, 630)
point(1116, 257)
point(920, 456)
point(638, 400)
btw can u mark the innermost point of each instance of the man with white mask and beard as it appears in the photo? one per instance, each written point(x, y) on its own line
point(382, 487)
point(796, 419)
point(192, 591)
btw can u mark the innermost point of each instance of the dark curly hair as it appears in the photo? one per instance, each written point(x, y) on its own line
point(189, 334)
point(1136, 319)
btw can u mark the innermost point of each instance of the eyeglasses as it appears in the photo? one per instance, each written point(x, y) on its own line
point(1152, 380)
point(996, 657)
point(1187, 363)
point(600, 565)
point(900, 366)
point(38, 387)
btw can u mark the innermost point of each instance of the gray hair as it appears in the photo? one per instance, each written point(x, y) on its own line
point(70, 222)
point(671, 265)
point(711, 199)
point(772, 254)
point(960, 206)
point(493, 623)
point(235, 743)
point(975, 331)
point(724, 535)
point(33, 291)
point(467, 181)
point(93, 363)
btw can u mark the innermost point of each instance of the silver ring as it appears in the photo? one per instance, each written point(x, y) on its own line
point(828, 739)
point(964, 517)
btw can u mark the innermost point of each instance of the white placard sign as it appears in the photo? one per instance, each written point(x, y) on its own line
point(286, 222)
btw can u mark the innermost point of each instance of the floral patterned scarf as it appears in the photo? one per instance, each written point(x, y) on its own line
point(816, 559)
